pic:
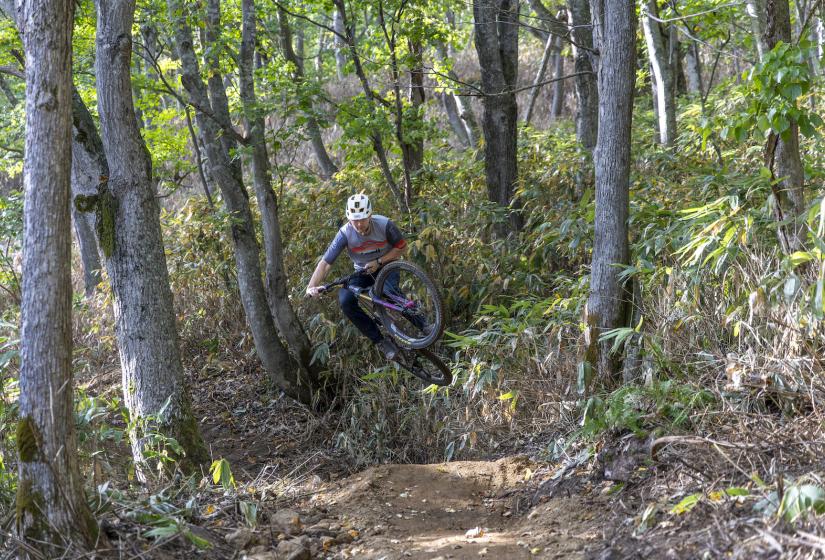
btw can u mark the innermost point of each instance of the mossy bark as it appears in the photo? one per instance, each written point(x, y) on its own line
point(52, 516)
point(131, 235)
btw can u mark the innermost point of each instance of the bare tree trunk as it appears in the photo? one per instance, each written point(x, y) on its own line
point(448, 100)
point(328, 168)
point(273, 355)
point(676, 57)
point(196, 151)
point(819, 34)
point(85, 179)
point(51, 515)
point(802, 8)
point(153, 382)
point(534, 92)
point(557, 103)
point(756, 11)
point(288, 323)
point(319, 56)
point(788, 161)
point(417, 97)
point(463, 121)
point(496, 42)
point(694, 69)
point(340, 43)
point(607, 302)
point(662, 74)
point(587, 92)
point(462, 101)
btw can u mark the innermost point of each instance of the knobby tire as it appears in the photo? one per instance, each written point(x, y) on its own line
point(389, 320)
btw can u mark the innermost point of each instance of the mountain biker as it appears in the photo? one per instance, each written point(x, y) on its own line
point(371, 241)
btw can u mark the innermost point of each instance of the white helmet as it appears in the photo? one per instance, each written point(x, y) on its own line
point(359, 207)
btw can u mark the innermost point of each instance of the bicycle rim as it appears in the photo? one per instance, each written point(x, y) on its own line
point(426, 366)
point(417, 319)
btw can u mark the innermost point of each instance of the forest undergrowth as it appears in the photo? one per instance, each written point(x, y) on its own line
point(714, 435)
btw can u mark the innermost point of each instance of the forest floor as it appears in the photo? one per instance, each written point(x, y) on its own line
point(311, 504)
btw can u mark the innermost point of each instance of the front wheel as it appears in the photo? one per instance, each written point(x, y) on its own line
point(425, 365)
point(411, 307)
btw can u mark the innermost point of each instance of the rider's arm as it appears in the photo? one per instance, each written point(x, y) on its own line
point(393, 255)
point(399, 245)
point(318, 276)
point(322, 269)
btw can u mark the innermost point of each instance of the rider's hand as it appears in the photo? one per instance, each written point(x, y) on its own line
point(314, 291)
point(371, 266)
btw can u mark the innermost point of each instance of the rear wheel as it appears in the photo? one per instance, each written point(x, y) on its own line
point(425, 365)
point(417, 317)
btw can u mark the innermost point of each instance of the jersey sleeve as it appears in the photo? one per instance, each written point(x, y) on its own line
point(394, 236)
point(338, 244)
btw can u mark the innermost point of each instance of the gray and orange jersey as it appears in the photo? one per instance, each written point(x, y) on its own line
point(384, 236)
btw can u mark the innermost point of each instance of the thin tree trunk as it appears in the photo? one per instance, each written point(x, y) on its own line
point(463, 101)
point(587, 91)
point(675, 57)
point(557, 103)
point(319, 56)
point(788, 161)
point(463, 122)
point(85, 179)
point(534, 92)
point(196, 151)
point(496, 41)
point(802, 8)
point(662, 74)
point(375, 133)
point(154, 390)
point(756, 11)
point(339, 42)
point(272, 353)
point(51, 515)
point(328, 168)
point(288, 324)
point(607, 302)
point(7, 91)
point(694, 69)
point(416, 96)
point(448, 100)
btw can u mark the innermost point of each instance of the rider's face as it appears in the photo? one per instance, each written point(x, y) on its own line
point(362, 226)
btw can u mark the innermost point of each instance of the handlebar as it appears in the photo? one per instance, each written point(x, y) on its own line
point(342, 281)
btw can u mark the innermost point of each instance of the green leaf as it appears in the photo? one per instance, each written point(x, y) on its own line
point(799, 500)
point(250, 513)
point(199, 542)
point(687, 504)
point(800, 257)
point(163, 531)
point(221, 472)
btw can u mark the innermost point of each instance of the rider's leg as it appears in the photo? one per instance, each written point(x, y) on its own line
point(391, 287)
point(352, 310)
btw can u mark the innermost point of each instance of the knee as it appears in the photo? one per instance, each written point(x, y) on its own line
point(347, 300)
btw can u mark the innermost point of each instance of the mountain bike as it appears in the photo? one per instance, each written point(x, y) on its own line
point(406, 306)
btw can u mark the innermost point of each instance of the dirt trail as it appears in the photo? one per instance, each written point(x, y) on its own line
point(456, 510)
point(392, 511)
